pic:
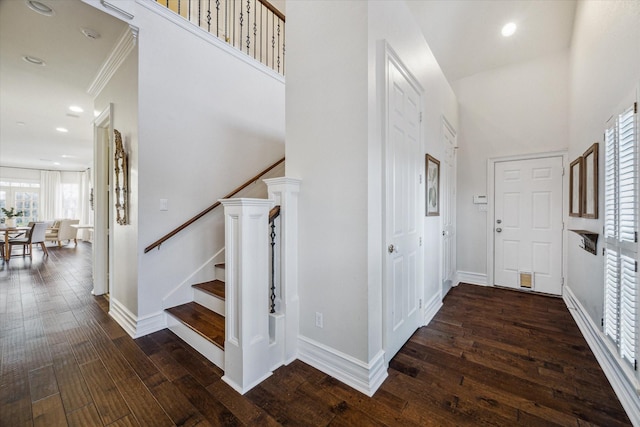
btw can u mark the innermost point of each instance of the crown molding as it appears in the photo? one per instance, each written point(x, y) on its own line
point(120, 52)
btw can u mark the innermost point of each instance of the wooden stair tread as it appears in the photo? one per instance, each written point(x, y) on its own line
point(213, 287)
point(200, 319)
point(220, 264)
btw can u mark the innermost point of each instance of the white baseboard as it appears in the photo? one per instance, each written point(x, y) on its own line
point(473, 278)
point(622, 385)
point(364, 377)
point(431, 308)
point(135, 326)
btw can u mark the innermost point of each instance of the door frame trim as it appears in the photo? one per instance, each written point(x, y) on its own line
point(491, 164)
point(387, 55)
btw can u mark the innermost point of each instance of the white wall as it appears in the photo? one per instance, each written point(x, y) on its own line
point(122, 91)
point(334, 145)
point(513, 110)
point(208, 121)
point(605, 73)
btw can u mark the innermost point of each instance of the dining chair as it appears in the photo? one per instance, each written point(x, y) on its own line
point(34, 235)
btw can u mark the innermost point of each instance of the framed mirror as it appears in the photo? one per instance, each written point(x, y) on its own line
point(575, 187)
point(590, 183)
point(120, 179)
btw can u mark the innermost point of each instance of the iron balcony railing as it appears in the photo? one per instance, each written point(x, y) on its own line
point(254, 27)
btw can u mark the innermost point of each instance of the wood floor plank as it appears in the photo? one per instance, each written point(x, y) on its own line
point(109, 403)
point(86, 416)
point(142, 404)
point(42, 383)
point(49, 412)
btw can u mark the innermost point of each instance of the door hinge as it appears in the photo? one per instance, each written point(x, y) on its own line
point(420, 116)
point(635, 108)
point(420, 178)
point(420, 303)
point(602, 251)
point(636, 267)
point(635, 236)
point(602, 321)
point(635, 364)
point(420, 241)
point(562, 171)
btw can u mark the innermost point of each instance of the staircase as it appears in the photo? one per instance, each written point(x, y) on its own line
point(201, 322)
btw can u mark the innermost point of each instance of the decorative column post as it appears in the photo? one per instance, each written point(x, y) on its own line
point(284, 191)
point(247, 292)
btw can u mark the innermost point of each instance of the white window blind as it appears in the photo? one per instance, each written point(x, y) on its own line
point(620, 232)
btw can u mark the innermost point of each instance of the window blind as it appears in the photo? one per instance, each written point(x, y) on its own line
point(620, 233)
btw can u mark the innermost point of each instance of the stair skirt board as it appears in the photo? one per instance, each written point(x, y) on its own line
point(205, 347)
point(211, 302)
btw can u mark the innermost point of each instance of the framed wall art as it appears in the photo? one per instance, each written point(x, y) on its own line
point(433, 186)
point(575, 187)
point(590, 183)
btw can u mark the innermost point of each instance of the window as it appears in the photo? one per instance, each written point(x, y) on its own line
point(70, 199)
point(24, 196)
point(620, 233)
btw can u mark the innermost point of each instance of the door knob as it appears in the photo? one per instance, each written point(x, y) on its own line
point(499, 221)
point(498, 230)
point(391, 248)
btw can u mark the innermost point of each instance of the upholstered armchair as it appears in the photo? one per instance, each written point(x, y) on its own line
point(62, 230)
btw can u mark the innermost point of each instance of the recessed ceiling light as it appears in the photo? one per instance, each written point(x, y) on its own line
point(21, 123)
point(68, 156)
point(33, 60)
point(41, 8)
point(509, 29)
point(76, 109)
point(63, 130)
point(56, 163)
point(92, 34)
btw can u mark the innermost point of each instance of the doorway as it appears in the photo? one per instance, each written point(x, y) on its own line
point(103, 165)
point(526, 223)
point(448, 207)
point(403, 198)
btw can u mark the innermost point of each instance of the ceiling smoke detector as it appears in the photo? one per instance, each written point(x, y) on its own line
point(41, 8)
point(92, 34)
point(33, 60)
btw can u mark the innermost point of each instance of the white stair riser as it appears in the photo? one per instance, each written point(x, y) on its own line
point(211, 351)
point(220, 273)
point(212, 302)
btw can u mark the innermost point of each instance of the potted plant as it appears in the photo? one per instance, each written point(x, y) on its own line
point(11, 215)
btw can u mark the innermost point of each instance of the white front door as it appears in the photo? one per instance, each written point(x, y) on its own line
point(528, 224)
point(448, 174)
point(403, 198)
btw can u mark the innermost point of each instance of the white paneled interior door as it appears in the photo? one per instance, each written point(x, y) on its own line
point(404, 222)
point(528, 224)
point(448, 175)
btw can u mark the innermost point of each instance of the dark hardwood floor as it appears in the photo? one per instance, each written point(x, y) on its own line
point(490, 357)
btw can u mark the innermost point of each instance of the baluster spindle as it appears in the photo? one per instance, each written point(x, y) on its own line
point(273, 272)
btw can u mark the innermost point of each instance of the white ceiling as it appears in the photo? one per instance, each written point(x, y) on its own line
point(40, 96)
point(464, 35)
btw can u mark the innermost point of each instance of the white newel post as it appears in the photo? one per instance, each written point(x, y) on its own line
point(284, 191)
point(247, 292)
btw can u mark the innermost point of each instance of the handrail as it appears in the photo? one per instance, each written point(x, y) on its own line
point(274, 213)
point(169, 235)
point(273, 9)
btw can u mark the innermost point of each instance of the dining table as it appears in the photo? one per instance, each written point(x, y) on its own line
point(8, 231)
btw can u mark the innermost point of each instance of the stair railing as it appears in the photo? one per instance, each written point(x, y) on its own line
point(178, 229)
point(273, 214)
point(254, 27)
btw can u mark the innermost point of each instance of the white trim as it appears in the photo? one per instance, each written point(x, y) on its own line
point(239, 388)
point(134, 326)
point(625, 389)
point(208, 37)
point(183, 293)
point(118, 55)
point(209, 350)
point(491, 166)
point(472, 278)
point(364, 377)
point(432, 307)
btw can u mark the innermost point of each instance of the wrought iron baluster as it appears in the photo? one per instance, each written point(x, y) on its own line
point(241, 25)
point(248, 23)
point(217, 18)
point(199, 13)
point(209, 15)
point(273, 273)
point(226, 21)
point(278, 44)
point(255, 27)
point(273, 41)
point(283, 43)
point(179, 11)
point(189, 10)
